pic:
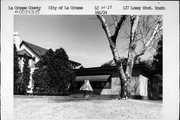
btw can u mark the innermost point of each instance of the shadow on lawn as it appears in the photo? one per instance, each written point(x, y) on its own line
point(73, 98)
point(93, 98)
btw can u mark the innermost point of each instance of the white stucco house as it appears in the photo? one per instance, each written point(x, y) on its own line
point(34, 54)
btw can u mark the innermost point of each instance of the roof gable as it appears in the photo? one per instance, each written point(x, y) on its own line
point(39, 51)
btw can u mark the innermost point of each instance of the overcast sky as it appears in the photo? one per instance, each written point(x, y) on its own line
point(81, 36)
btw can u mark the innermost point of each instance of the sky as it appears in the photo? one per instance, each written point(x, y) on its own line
point(81, 36)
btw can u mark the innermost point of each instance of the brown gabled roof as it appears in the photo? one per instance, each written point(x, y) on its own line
point(39, 51)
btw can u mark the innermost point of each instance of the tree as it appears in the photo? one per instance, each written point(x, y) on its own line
point(141, 28)
point(157, 62)
point(16, 71)
point(21, 80)
point(112, 63)
point(54, 73)
point(25, 75)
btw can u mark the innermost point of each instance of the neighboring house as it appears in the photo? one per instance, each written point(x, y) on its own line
point(105, 80)
point(34, 54)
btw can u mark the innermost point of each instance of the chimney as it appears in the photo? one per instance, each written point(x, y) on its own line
point(17, 40)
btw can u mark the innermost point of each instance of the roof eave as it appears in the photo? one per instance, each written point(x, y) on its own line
point(23, 42)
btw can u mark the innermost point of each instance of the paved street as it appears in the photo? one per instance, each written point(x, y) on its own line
point(75, 107)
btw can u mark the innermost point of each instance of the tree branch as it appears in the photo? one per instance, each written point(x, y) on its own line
point(118, 26)
point(130, 62)
point(104, 25)
point(154, 33)
point(115, 20)
point(107, 30)
point(156, 30)
point(135, 24)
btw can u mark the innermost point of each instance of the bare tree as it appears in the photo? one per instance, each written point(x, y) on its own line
point(143, 29)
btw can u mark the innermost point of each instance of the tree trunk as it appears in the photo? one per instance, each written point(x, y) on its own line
point(131, 53)
point(120, 70)
point(112, 43)
point(123, 79)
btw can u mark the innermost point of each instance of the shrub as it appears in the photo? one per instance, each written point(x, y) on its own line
point(54, 74)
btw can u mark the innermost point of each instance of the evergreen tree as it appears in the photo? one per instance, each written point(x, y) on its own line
point(25, 74)
point(54, 73)
point(16, 71)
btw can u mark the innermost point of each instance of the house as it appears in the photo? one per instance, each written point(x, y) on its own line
point(34, 54)
point(156, 87)
point(105, 80)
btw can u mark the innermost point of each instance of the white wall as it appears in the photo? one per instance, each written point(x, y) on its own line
point(115, 87)
point(141, 89)
point(23, 47)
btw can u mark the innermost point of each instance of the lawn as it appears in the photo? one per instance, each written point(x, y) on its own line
point(76, 107)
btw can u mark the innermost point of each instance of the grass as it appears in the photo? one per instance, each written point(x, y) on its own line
point(76, 107)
